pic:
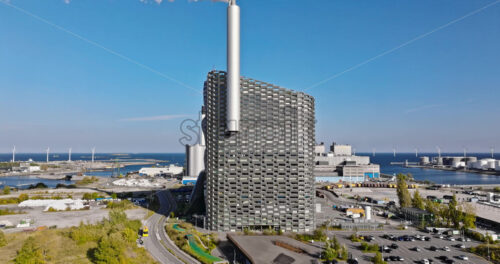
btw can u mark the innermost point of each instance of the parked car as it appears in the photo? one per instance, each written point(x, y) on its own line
point(369, 238)
point(394, 246)
point(446, 249)
point(416, 249)
point(353, 261)
point(433, 248)
point(463, 257)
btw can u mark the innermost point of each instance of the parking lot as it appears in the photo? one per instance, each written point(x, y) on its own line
point(406, 248)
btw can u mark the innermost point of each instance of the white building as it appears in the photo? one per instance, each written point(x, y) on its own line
point(171, 170)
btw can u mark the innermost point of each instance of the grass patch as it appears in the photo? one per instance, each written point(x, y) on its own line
point(87, 180)
point(122, 205)
point(10, 212)
point(187, 240)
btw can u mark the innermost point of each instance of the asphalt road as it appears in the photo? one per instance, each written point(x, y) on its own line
point(157, 242)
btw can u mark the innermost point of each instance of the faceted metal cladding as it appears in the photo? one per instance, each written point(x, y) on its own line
point(262, 176)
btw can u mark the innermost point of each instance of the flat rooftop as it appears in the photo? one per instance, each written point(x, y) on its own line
point(262, 249)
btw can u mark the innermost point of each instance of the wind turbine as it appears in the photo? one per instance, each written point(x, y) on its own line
point(93, 153)
point(48, 151)
point(439, 151)
point(354, 151)
point(69, 155)
point(14, 154)
point(492, 152)
point(394, 150)
point(416, 152)
point(373, 152)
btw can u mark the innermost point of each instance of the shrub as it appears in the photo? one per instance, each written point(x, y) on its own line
point(123, 205)
point(91, 196)
point(378, 259)
point(365, 247)
point(6, 189)
point(29, 253)
point(354, 238)
point(23, 197)
point(3, 240)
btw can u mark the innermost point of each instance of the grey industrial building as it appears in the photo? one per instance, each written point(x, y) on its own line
point(339, 164)
point(262, 175)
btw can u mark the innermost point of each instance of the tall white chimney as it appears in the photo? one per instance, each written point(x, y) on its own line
point(233, 67)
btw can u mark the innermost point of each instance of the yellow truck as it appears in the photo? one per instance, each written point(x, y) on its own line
point(145, 232)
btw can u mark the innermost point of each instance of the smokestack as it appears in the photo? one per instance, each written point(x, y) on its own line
point(233, 67)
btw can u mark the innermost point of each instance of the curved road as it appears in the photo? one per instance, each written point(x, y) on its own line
point(157, 242)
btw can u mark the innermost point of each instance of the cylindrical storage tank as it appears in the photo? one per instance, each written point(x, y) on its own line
point(439, 161)
point(424, 160)
point(368, 212)
point(456, 162)
point(491, 164)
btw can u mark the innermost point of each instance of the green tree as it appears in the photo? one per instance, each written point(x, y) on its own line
point(402, 191)
point(114, 196)
point(417, 200)
point(336, 244)
point(319, 234)
point(3, 240)
point(344, 255)
point(378, 259)
point(6, 189)
point(329, 253)
point(469, 216)
point(109, 250)
point(454, 215)
point(29, 253)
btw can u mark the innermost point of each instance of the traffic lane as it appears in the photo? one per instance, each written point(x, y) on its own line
point(171, 205)
point(155, 247)
point(153, 242)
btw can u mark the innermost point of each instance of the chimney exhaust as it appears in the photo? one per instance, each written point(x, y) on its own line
point(233, 67)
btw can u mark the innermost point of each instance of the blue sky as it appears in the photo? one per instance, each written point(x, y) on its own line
point(98, 73)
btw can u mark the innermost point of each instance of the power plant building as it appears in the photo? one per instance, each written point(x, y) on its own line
point(262, 175)
point(339, 164)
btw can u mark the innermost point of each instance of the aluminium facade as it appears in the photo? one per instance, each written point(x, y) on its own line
point(262, 175)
